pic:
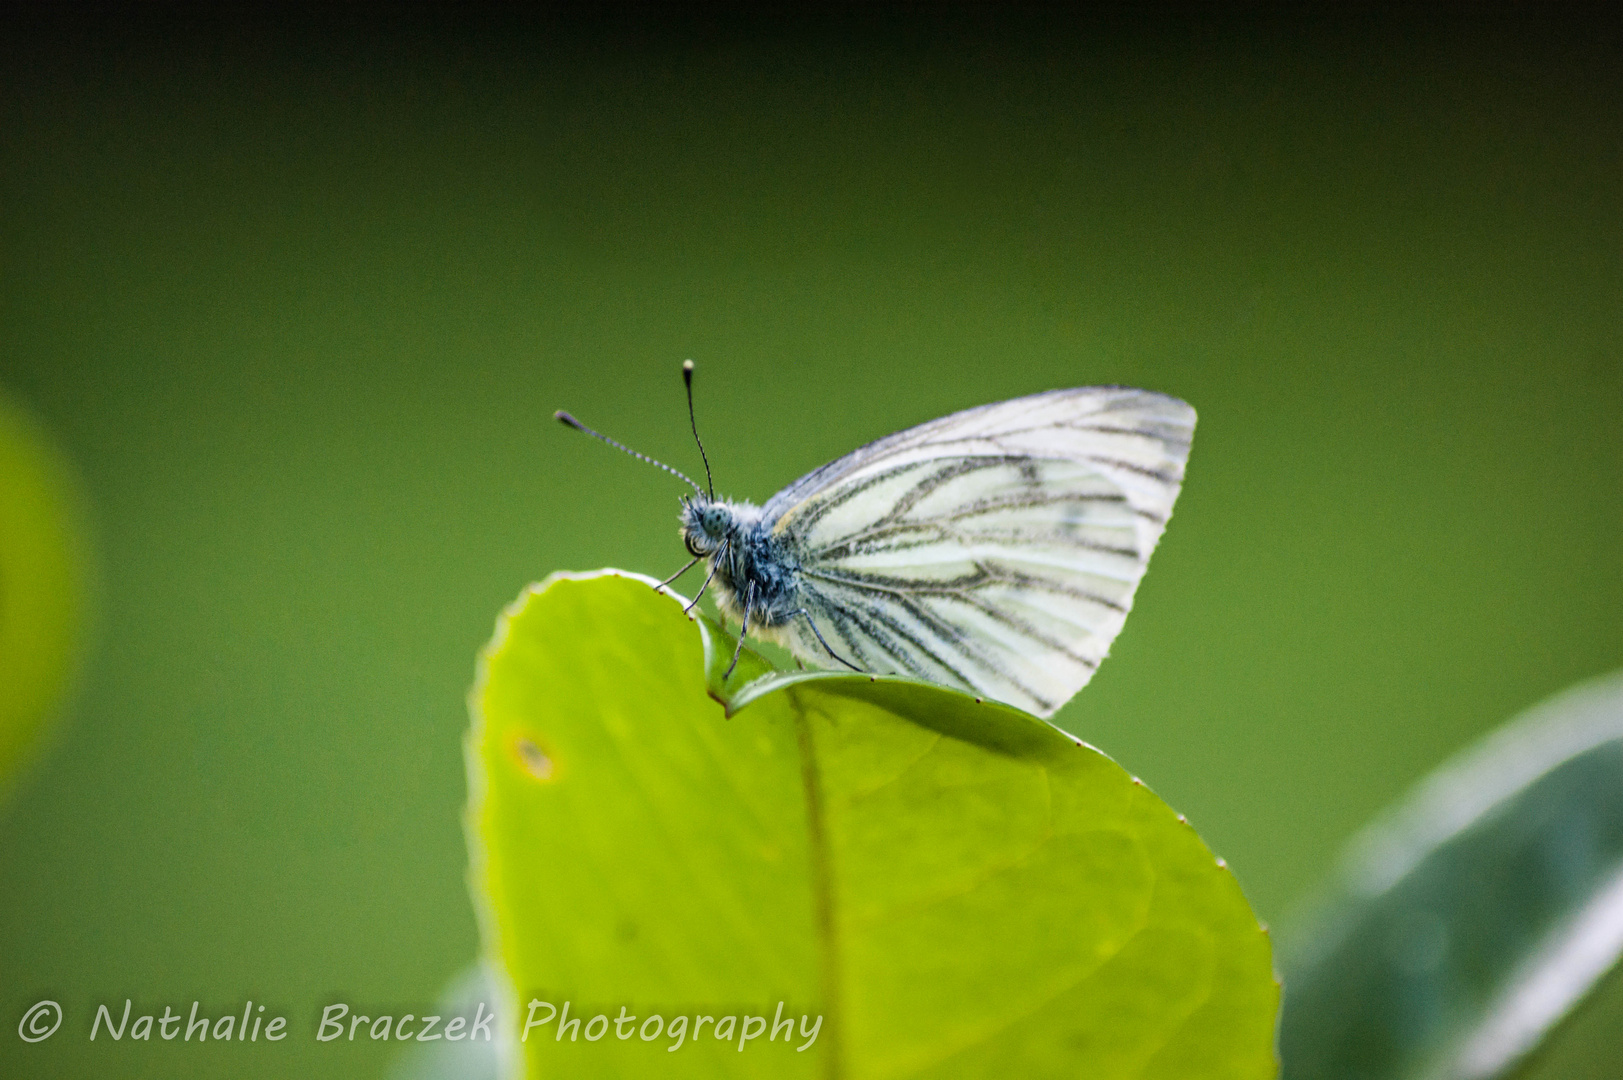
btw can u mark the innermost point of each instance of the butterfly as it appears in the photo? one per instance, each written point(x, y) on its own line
point(995, 550)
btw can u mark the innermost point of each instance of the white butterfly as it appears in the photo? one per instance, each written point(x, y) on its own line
point(995, 550)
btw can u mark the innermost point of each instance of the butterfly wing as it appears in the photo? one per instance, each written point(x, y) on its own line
point(995, 550)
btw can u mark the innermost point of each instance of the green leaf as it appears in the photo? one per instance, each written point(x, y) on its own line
point(956, 888)
point(1465, 924)
point(41, 584)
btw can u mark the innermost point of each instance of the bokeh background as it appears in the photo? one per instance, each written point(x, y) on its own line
point(297, 296)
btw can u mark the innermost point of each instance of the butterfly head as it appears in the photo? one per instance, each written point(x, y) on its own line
point(706, 525)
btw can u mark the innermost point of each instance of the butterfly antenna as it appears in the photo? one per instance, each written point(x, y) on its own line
point(687, 380)
point(569, 421)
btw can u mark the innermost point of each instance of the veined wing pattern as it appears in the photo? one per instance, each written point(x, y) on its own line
point(997, 549)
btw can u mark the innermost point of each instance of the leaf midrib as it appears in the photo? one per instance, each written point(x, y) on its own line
point(822, 887)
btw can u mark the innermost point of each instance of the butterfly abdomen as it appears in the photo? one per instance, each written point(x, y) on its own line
point(769, 577)
point(759, 572)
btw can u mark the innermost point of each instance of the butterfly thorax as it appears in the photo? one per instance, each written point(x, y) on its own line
point(750, 565)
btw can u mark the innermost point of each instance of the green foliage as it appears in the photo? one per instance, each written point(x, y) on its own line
point(41, 584)
point(1469, 922)
point(956, 888)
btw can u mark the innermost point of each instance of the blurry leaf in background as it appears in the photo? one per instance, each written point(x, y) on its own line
point(42, 583)
point(455, 1059)
point(1467, 923)
point(958, 889)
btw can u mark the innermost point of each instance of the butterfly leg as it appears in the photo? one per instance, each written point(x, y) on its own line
point(744, 628)
point(820, 640)
point(678, 574)
point(715, 561)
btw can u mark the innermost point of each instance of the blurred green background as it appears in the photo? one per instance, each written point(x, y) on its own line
point(298, 298)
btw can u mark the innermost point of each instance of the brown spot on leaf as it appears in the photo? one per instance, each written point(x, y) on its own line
point(531, 758)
